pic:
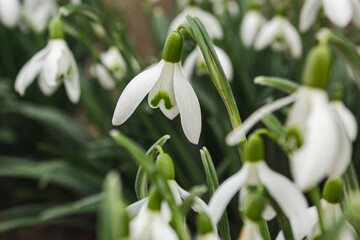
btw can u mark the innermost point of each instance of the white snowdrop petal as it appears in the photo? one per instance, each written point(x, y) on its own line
point(239, 133)
point(134, 93)
point(162, 231)
point(9, 12)
point(347, 119)
point(289, 198)
point(356, 12)
point(310, 163)
point(134, 208)
point(225, 192)
point(30, 70)
point(251, 231)
point(309, 13)
point(54, 60)
point(45, 88)
point(225, 63)
point(292, 39)
point(268, 33)
point(105, 79)
point(188, 105)
point(72, 82)
point(190, 62)
point(250, 26)
point(39, 12)
point(339, 12)
point(169, 113)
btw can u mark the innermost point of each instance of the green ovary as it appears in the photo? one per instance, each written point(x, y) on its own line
point(161, 95)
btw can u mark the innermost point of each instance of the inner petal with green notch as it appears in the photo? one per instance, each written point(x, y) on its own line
point(163, 91)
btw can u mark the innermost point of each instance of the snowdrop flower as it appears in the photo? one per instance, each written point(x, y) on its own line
point(211, 24)
point(340, 13)
point(149, 224)
point(114, 62)
point(250, 26)
point(281, 34)
point(54, 64)
point(39, 12)
point(206, 228)
point(250, 230)
point(9, 12)
point(255, 172)
point(196, 60)
point(168, 89)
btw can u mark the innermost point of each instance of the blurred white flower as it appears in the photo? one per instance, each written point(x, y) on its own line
point(281, 34)
point(327, 131)
point(251, 23)
point(209, 236)
point(196, 61)
point(250, 230)
point(151, 225)
point(115, 63)
point(9, 12)
point(210, 22)
point(169, 90)
point(340, 13)
point(219, 7)
point(282, 190)
point(54, 64)
point(39, 12)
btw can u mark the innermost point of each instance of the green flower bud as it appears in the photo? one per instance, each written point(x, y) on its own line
point(203, 223)
point(293, 138)
point(317, 67)
point(254, 150)
point(254, 206)
point(317, 237)
point(165, 166)
point(56, 28)
point(154, 200)
point(333, 190)
point(173, 48)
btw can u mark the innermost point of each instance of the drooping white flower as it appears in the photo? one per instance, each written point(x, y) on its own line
point(210, 22)
point(281, 34)
point(250, 230)
point(151, 225)
point(250, 26)
point(231, 6)
point(340, 13)
point(114, 62)
point(39, 12)
point(168, 89)
point(327, 131)
point(9, 12)
point(285, 193)
point(53, 64)
point(196, 61)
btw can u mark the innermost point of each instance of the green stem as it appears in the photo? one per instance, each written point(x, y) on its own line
point(315, 196)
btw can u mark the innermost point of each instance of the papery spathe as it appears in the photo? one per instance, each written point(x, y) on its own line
point(169, 90)
point(9, 12)
point(279, 33)
point(54, 64)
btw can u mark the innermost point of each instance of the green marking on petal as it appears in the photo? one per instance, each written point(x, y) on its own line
point(161, 95)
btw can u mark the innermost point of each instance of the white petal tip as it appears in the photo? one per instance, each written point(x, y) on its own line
point(259, 80)
point(113, 132)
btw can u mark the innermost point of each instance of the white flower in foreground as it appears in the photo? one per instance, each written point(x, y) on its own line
point(168, 89)
point(250, 230)
point(149, 224)
point(339, 12)
point(210, 22)
point(255, 172)
point(39, 12)
point(114, 62)
point(54, 64)
point(9, 12)
point(196, 61)
point(281, 34)
point(250, 26)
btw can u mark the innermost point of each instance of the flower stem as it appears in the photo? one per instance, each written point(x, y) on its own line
point(315, 196)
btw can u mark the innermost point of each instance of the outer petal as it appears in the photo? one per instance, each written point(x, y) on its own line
point(250, 26)
point(339, 12)
point(267, 33)
point(190, 62)
point(134, 92)
point(356, 12)
point(211, 24)
point(105, 79)
point(135, 208)
point(53, 61)
point(225, 62)
point(285, 193)
point(310, 163)
point(308, 14)
point(188, 105)
point(48, 90)
point(226, 191)
point(29, 71)
point(9, 12)
point(347, 119)
point(239, 133)
point(292, 39)
point(161, 230)
point(72, 83)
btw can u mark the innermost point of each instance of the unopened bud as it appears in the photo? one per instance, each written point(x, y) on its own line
point(333, 190)
point(204, 223)
point(254, 206)
point(254, 150)
point(165, 166)
point(173, 48)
